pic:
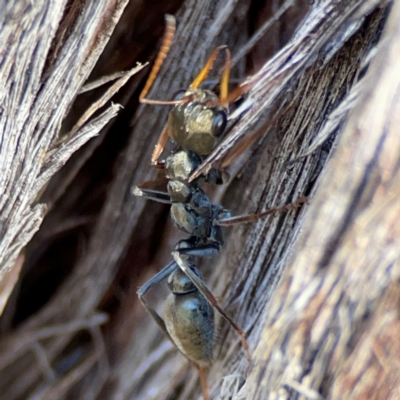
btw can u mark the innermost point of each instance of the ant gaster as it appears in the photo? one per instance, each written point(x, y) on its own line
point(196, 124)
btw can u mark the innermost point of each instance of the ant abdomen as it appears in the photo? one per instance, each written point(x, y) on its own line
point(189, 319)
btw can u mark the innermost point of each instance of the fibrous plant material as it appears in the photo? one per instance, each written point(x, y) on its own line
point(314, 81)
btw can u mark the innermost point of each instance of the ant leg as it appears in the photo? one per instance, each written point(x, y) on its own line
point(203, 381)
point(163, 274)
point(203, 250)
point(181, 258)
point(159, 147)
point(240, 219)
point(152, 194)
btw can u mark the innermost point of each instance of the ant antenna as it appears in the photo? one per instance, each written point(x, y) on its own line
point(225, 80)
point(207, 68)
point(166, 45)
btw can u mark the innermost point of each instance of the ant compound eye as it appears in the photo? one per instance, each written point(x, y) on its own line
point(179, 94)
point(219, 123)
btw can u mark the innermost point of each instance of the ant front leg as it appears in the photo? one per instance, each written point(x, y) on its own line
point(152, 194)
point(182, 258)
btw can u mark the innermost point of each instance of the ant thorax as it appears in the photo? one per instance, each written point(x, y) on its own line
point(196, 217)
point(192, 211)
point(178, 168)
point(197, 125)
point(181, 164)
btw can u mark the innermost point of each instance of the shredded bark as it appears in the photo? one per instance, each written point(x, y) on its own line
point(314, 288)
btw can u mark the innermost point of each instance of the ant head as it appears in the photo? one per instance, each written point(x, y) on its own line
point(197, 125)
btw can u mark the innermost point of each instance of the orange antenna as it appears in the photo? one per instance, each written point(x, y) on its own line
point(225, 80)
point(166, 44)
point(207, 68)
point(237, 92)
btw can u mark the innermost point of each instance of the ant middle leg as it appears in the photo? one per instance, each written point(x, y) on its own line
point(242, 219)
point(182, 256)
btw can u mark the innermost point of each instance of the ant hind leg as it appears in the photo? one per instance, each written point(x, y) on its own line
point(163, 274)
point(203, 381)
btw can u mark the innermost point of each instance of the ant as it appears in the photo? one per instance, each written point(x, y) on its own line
point(196, 123)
